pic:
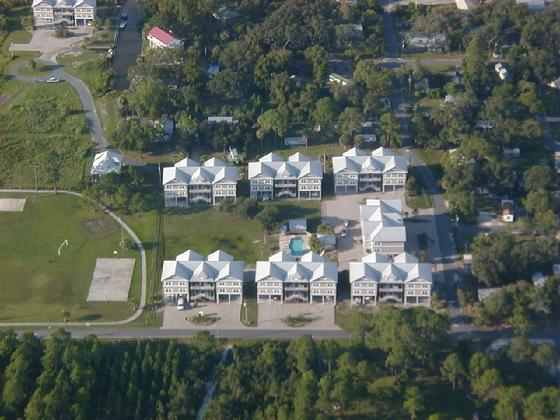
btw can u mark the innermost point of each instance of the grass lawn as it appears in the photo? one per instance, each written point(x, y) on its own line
point(249, 319)
point(38, 121)
point(421, 200)
point(350, 318)
point(14, 34)
point(434, 56)
point(42, 70)
point(37, 283)
point(296, 209)
point(205, 230)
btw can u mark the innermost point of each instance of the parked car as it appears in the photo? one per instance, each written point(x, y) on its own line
point(53, 80)
point(346, 223)
point(181, 304)
point(343, 233)
point(123, 24)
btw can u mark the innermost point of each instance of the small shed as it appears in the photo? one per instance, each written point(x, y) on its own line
point(297, 225)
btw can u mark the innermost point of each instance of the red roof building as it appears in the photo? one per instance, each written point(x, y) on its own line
point(159, 38)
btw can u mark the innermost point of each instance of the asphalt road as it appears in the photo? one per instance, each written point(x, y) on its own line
point(129, 45)
point(447, 257)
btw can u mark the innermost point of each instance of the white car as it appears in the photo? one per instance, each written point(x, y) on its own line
point(53, 80)
point(181, 304)
point(343, 233)
point(123, 24)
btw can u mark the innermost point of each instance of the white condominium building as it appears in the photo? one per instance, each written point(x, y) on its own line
point(356, 171)
point(215, 278)
point(273, 177)
point(285, 278)
point(188, 183)
point(404, 280)
point(70, 12)
point(383, 228)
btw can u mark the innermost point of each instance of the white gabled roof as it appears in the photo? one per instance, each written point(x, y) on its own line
point(71, 3)
point(106, 162)
point(284, 267)
point(220, 255)
point(282, 256)
point(274, 166)
point(271, 157)
point(382, 221)
point(188, 171)
point(312, 257)
point(382, 151)
point(299, 157)
point(354, 152)
point(189, 255)
point(380, 161)
point(376, 257)
point(405, 268)
point(214, 162)
point(190, 265)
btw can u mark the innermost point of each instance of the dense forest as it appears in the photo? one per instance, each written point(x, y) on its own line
point(61, 378)
point(399, 364)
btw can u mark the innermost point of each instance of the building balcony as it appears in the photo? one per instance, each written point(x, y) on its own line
point(295, 287)
point(391, 289)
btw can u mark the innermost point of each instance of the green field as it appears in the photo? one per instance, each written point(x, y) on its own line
point(37, 284)
point(206, 230)
point(421, 200)
point(41, 124)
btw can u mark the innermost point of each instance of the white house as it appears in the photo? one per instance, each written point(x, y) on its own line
point(158, 38)
point(404, 280)
point(215, 278)
point(69, 12)
point(272, 177)
point(106, 162)
point(188, 183)
point(307, 279)
point(383, 229)
point(357, 171)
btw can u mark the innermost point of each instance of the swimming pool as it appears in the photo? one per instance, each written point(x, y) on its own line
point(297, 246)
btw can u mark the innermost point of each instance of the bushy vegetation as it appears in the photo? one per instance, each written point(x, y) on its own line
point(64, 378)
point(42, 125)
point(274, 69)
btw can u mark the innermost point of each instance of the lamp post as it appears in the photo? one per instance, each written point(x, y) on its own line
point(246, 315)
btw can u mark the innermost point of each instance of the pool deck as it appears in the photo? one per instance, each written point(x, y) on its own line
point(284, 241)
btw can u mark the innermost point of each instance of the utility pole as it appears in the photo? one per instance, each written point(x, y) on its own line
point(34, 167)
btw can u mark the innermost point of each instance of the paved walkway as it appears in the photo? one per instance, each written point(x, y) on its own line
point(138, 243)
point(211, 385)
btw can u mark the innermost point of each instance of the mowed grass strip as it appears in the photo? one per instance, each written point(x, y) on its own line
point(41, 124)
point(37, 283)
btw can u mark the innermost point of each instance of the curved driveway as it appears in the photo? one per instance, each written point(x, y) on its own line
point(138, 243)
point(85, 98)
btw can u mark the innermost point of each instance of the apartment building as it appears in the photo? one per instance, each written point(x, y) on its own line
point(357, 171)
point(380, 279)
point(188, 183)
point(215, 278)
point(307, 279)
point(69, 12)
point(272, 177)
point(383, 228)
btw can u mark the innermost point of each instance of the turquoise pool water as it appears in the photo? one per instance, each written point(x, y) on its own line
point(297, 246)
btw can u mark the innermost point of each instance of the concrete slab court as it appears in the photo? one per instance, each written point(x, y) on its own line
point(12, 204)
point(228, 315)
point(271, 314)
point(111, 280)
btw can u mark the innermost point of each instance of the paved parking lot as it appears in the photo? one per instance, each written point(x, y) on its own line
point(271, 314)
point(49, 46)
point(347, 207)
point(228, 314)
